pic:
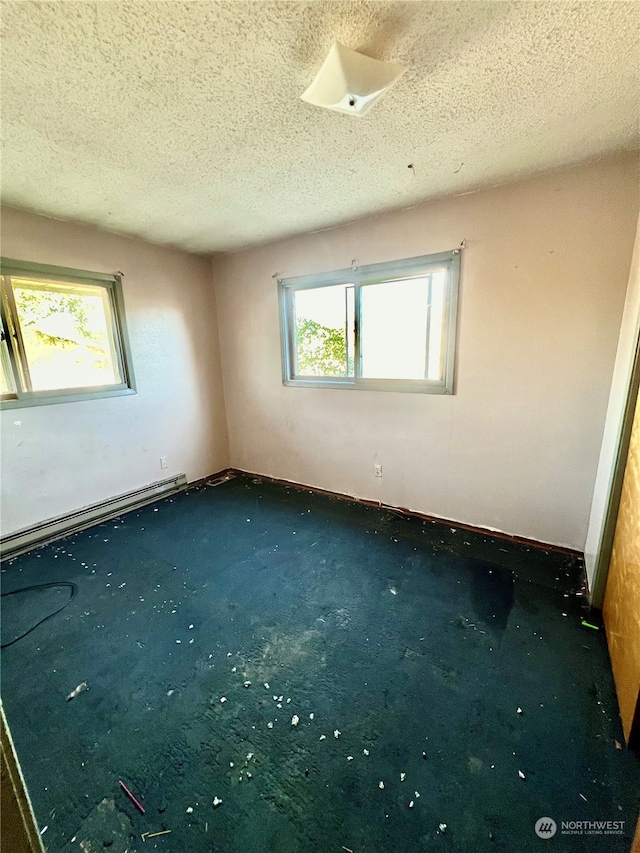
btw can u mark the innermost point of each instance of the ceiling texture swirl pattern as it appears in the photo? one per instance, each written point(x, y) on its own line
point(182, 123)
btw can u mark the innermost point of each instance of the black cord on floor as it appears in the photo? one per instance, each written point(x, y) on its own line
point(72, 587)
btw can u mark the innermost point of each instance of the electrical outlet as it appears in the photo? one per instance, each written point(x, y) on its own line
point(163, 462)
point(377, 470)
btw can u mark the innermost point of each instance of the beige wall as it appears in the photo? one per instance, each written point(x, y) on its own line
point(59, 458)
point(543, 282)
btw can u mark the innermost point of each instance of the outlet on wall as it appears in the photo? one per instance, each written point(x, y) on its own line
point(163, 461)
point(377, 470)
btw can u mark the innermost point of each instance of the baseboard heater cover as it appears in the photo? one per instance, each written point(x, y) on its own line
point(47, 531)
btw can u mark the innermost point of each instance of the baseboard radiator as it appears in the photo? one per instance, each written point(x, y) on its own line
point(47, 531)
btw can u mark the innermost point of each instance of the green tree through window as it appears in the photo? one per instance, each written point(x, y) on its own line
point(64, 335)
point(322, 351)
point(35, 305)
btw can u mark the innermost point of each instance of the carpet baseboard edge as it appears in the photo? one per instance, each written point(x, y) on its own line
point(47, 531)
point(483, 531)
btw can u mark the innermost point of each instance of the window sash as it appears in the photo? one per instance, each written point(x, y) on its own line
point(15, 357)
point(360, 277)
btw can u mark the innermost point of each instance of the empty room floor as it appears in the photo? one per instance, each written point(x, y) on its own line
point(340, 677)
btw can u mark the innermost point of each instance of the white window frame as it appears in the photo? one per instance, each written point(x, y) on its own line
point(360, 277)
point(14, 356)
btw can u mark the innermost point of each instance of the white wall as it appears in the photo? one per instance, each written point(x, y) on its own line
point(62, 457)
point(516, 448)
point(627, 342)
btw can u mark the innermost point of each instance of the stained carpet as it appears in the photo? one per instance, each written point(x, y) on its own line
point(340, 677)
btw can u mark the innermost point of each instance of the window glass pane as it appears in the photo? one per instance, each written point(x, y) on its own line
point(394, 329)
point(324, 330)
point(6, 375)
point(435, 366)
point(67, 331)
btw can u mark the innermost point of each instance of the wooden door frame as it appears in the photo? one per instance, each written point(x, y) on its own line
point(18, 829)
point(603, 558)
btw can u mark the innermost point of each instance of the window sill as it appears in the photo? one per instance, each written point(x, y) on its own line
point(397, 385)
point(73, 396)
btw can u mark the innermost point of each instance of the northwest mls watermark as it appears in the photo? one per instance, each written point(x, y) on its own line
point(546, 827)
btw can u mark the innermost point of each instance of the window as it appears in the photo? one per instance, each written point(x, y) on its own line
point(384, 327)
point(63, 335)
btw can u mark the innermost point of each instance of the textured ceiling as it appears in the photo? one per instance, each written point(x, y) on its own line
point(181, 122)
